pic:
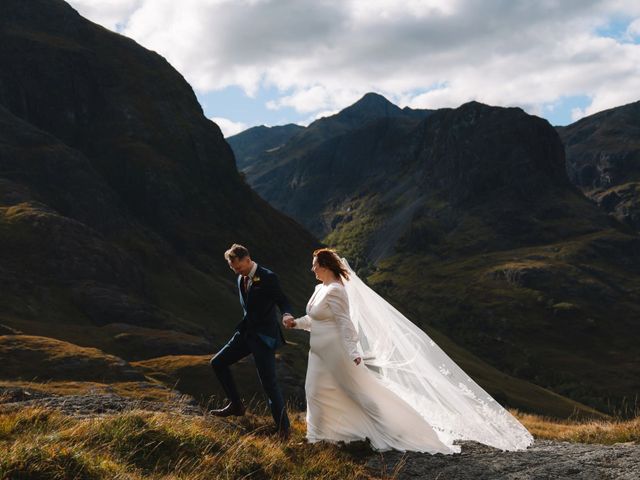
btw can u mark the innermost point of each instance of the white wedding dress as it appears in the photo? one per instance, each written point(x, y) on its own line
point(406, 395)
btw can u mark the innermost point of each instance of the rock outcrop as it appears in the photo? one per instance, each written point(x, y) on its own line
point(603, 159)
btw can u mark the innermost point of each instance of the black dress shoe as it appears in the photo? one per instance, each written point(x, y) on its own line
point(283, 434)
point(236, 409)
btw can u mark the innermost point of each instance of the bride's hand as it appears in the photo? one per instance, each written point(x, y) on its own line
point(357, 360)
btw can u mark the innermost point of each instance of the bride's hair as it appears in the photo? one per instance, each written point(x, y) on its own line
point(328, 258)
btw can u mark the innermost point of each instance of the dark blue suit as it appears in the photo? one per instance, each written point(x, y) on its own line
point(258, 333)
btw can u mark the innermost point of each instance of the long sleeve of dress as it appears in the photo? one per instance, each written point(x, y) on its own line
point(339, 305)
point(303, 323)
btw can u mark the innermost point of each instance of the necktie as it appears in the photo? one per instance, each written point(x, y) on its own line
point(245, 280)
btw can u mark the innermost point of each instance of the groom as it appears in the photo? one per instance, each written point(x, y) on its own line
point(258, 333)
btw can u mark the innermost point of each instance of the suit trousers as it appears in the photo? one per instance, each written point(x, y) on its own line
point(265, 359)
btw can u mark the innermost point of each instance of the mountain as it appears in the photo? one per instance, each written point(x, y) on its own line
point(603, 159)
point(367, 132)
point(118, 198)
point(248, 145)
point(369, 107)
point(466, 220)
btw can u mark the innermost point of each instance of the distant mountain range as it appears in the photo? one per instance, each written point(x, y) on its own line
point(292, 175)
point(467, 220)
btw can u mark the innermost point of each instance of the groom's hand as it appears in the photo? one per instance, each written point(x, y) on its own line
point(288, 320)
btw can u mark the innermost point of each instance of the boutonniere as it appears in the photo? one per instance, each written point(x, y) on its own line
point(256, 279)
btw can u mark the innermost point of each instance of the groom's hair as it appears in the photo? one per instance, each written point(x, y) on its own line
point(236, 251)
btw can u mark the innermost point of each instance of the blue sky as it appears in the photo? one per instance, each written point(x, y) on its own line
point(233, 103)
point(271, 62)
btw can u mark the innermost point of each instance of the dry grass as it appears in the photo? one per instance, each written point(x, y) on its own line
point(39, 443)
point(605, 432)
point(138, 444)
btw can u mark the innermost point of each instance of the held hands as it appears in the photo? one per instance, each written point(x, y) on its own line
point(288, 320)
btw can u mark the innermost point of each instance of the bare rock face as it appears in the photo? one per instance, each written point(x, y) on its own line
point(621, 201)
point(603, 159)
point(603, 149)
point(476, 152)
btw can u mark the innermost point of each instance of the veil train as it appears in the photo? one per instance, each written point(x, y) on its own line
point(411, 365)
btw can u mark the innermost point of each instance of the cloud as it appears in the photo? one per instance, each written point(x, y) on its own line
point(322, 55)
point(324, 113)
point(633, 30)
point(229, 127)
point(315, 99)
point(112, 14)
point(577, 113)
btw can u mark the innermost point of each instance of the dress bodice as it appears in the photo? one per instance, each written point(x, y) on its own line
point(329, 303)
point(318, 306)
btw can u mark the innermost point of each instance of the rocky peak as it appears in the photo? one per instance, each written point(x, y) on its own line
point(603, 150)
point(603, 159)
point(372, 105)
point(478, 150)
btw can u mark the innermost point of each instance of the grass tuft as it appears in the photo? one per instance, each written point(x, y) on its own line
point(607, 432)
point(149, 441)
point(50, 460)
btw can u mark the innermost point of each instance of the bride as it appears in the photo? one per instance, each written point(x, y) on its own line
point(372, 374)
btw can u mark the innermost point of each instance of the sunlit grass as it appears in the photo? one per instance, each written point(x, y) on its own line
point(605, 432)
point(40, 443)
point(43, 443)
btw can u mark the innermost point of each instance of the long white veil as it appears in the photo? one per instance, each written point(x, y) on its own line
point(415, 368)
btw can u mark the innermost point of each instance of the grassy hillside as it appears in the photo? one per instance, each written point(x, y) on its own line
point(549, 314)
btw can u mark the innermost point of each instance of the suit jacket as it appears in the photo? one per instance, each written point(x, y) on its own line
point(261, 319)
